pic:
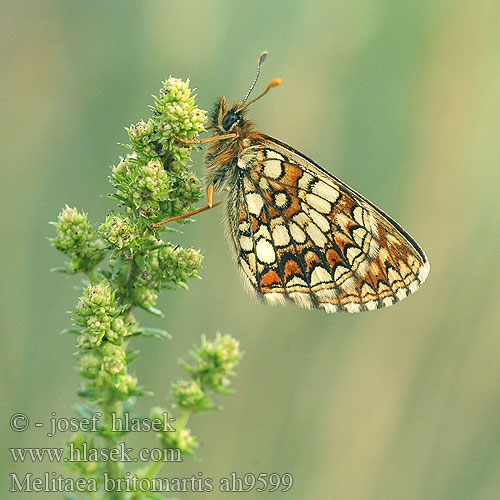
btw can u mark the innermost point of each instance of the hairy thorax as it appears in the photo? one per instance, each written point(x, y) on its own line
point(222, 159)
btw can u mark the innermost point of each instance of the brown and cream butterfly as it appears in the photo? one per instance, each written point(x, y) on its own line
point(300, 233)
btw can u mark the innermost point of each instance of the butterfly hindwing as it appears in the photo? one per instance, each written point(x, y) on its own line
point(301, 234)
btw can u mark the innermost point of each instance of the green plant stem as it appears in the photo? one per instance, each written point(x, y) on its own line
point(128, 316)
point(182, 420)
point(113, 468)
point(153, 469)
point(92, 276)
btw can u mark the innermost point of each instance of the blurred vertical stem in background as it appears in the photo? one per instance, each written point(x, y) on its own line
point(126, 265)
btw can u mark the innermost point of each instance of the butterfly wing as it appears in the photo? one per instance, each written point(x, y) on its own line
point(301, 234)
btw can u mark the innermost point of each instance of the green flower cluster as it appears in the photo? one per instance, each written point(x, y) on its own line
point(102, 342)
point(154, 180)
point(188, 394)
point(77, 240)
point(169, 264)
point(152, 183)
point(155, 265)
point(100, 316)
point(180, 439)
point(214, 363)
point(124, 235)
point(162, 267)
point(127, 265)
point(80, 443)
point(176, 110)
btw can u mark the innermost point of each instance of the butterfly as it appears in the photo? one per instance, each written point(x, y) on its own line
point(299, 233)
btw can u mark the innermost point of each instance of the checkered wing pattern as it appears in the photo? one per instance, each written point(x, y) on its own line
point(303, 235)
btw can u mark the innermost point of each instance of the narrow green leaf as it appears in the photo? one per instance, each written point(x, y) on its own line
point(140, 392)
point(132, 356)
point(158, 333)
point(161, 245)
point(128, 405)
point(87, 393)
point(153, 310)
point(167, 229)
point(76, 331)
point(127, 305)
point(141, 263)
point(84, 411)
point(63, 270)
point(121, 199)
point(118, 266)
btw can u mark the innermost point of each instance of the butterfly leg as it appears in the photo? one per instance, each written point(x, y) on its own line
point(210, 204)
point(210, 195)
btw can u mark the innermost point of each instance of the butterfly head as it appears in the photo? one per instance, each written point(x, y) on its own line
point(227, 118)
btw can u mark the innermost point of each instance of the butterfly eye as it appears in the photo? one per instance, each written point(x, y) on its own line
point(229, 120)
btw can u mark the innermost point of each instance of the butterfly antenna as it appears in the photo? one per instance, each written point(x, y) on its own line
point(260, 61)
point(270, 85)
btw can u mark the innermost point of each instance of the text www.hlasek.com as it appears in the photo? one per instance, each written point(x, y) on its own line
point(85, 454)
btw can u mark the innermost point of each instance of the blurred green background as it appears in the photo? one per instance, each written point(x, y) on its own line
point(401, 100)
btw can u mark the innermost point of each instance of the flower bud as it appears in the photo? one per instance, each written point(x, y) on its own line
point(187, 394)
point(114, 358)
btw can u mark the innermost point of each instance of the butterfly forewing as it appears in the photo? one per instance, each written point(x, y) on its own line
point(301, 234)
